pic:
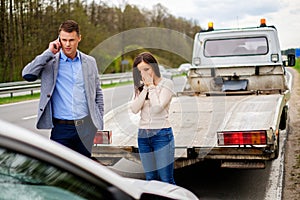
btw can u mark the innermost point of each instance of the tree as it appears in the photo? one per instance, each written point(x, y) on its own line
point(27, 27)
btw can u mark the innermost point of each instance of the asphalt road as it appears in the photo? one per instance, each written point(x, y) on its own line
point(24, 113)
point(206, 179)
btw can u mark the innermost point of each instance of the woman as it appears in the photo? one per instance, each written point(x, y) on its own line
point(152, 99)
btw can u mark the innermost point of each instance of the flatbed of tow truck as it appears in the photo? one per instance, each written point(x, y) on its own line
point(195, 121)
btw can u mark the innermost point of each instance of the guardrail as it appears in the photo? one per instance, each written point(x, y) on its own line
point(115, 78)
point(24, 86)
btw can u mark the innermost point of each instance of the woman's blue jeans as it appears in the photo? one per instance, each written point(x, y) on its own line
point(156, 149)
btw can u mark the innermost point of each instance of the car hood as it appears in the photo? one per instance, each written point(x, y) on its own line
point(161, 188)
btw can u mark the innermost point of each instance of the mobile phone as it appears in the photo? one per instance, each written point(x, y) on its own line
point(55, 46)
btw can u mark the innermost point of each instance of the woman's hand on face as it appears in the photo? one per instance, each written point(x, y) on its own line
point(147, 79)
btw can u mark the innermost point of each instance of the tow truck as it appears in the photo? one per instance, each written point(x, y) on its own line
point(232, 108)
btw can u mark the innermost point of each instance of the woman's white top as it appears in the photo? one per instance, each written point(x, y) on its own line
point(154, 112)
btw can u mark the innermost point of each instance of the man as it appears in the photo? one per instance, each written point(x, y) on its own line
point(71, 101)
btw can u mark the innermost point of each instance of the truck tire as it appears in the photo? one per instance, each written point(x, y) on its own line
point(276, 150)
point(283, 118)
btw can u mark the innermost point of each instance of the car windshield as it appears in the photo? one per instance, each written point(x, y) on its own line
point(247, 46)
point(22, 177)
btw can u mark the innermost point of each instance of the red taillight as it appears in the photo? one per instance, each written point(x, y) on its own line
point(103, 137)
point(242, 138)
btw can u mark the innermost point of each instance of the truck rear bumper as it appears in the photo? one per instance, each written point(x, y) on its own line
point(232, 157)
point(229, 157)
point(236, 153)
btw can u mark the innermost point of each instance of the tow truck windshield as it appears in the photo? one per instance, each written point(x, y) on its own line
point(246, 46)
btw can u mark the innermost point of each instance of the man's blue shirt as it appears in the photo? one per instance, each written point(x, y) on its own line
point(69, 99)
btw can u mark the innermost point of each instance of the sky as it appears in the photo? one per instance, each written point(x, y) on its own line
point(283, 14)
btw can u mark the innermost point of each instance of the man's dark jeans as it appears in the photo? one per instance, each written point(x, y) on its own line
point(79, 138)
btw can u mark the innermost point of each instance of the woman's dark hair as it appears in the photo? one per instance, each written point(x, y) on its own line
point(69, 26)
point(137, 77)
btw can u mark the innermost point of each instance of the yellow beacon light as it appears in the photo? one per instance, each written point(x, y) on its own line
point(263, 22)
point(210, 26)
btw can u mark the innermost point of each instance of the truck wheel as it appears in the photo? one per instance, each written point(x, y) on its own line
point(283, 118)
point(276, 150)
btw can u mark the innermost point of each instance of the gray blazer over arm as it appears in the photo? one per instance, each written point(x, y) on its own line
point(45, 67)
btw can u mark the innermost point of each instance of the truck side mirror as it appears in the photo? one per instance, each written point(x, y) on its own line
point(291, 60)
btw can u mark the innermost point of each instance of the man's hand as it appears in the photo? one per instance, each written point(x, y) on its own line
point(54, 46)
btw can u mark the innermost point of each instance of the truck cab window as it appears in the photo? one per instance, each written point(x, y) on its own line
point(248, 46)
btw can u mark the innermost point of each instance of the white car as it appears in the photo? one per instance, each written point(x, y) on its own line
point(184, 67)
point(34, 167)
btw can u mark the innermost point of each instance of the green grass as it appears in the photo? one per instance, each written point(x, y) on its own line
point(6, 100)
point(297, 66)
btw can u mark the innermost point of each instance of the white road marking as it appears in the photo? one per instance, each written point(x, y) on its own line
point(29, 117)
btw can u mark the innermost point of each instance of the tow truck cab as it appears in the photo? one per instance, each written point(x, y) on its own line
point(243, 59)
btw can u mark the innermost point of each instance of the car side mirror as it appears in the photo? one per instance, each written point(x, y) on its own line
point(291, 60)
point(147, 196)
point(116, 193)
